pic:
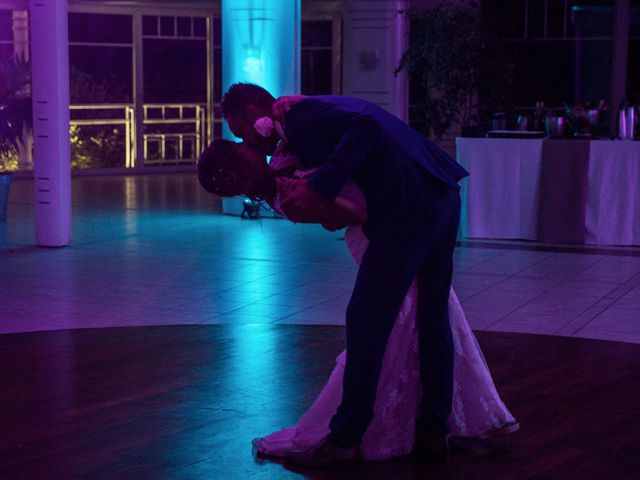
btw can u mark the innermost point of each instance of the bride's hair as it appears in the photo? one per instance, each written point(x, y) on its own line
point(241, 94)
point(221, 170)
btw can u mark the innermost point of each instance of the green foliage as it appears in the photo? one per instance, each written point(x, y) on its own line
point(454, 60)
point(95, 146)
point(84, 89)
point(15, 108)
point(91, 146)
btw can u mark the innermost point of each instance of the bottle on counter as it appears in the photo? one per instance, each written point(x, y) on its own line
point(626, 121)
point(538, 116)
point(631, 122)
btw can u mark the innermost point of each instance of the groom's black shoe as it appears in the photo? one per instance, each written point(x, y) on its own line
point(324, 454)
point(431, 448)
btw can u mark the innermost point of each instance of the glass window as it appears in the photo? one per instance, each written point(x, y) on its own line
point(593, 71)
point(634, 26)
point(508, 16)
point(175, 71)
point(200, 27)
point(592, 18)
point(150, 26)
point(217, 32)
point(563, 71)
point(100, 74)
point(316, 33)
point(555, 18)
point(184, 26)
point(316, 76)
point(217, 75)
point(94, 28)
point(544, 72)
point(167, 26)
point(536, 18)
point(316, 72)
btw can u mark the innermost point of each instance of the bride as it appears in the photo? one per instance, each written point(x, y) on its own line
point(227, 169)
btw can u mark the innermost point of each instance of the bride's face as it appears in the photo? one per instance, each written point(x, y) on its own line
point(253, 168)
point(247, 153)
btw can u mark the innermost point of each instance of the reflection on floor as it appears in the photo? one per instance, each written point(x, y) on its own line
point(151, 250)
point(184, 402)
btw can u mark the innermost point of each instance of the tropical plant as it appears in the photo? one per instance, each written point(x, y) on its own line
point(458, 68)
point(15, 108)
point(95, 146)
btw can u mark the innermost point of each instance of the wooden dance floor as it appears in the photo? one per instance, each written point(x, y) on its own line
point(184, 402)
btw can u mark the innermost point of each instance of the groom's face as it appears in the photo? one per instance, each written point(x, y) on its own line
point(241, 125)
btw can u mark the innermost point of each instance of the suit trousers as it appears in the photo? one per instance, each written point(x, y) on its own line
point(419, 248)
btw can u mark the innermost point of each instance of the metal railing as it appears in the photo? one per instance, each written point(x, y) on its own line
point(173, 133)
point(174, 147)
point(127, 119)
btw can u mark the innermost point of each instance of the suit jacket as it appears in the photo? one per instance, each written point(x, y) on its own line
point(352, 139)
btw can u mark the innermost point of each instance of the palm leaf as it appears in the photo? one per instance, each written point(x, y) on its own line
point(15, 102)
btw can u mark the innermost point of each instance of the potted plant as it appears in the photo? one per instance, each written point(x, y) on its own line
point(15, 120)
point(458, 68)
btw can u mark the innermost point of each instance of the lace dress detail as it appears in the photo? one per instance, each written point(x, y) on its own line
point(477, 408)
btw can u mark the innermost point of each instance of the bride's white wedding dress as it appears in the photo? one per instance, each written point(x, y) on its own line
point(477, 408)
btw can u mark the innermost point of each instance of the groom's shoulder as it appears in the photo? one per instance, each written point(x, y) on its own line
point(323, 106)
point(340, 100)
point(321, 103)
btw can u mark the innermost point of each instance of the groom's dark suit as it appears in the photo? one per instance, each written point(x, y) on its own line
point(414, 207)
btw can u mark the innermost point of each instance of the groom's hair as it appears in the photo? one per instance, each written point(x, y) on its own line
point(214, 165)
point(241, 94)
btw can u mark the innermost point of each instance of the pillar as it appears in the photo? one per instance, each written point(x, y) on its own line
point(50, 93)
point(261, 45)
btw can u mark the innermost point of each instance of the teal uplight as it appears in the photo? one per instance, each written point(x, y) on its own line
point(261, 45)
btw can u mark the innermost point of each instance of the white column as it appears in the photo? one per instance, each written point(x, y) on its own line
point(375, 37)
point(50, 90)
point(261, 45)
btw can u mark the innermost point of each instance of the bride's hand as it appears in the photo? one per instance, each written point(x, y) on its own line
point(283, 104)
point(302, 204)
point(299, 202)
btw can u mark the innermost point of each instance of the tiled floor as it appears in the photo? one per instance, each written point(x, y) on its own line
point(151, 250)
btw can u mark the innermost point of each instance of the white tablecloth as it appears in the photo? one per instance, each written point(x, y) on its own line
point(613, 202)
point(500, 198)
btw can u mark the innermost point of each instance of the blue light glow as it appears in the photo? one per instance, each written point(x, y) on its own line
point(261, 45)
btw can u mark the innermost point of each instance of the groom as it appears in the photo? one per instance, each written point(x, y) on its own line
point(413, 202)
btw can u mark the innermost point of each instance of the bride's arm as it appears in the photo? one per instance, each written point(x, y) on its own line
point(346, 209)
point(347, 213)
